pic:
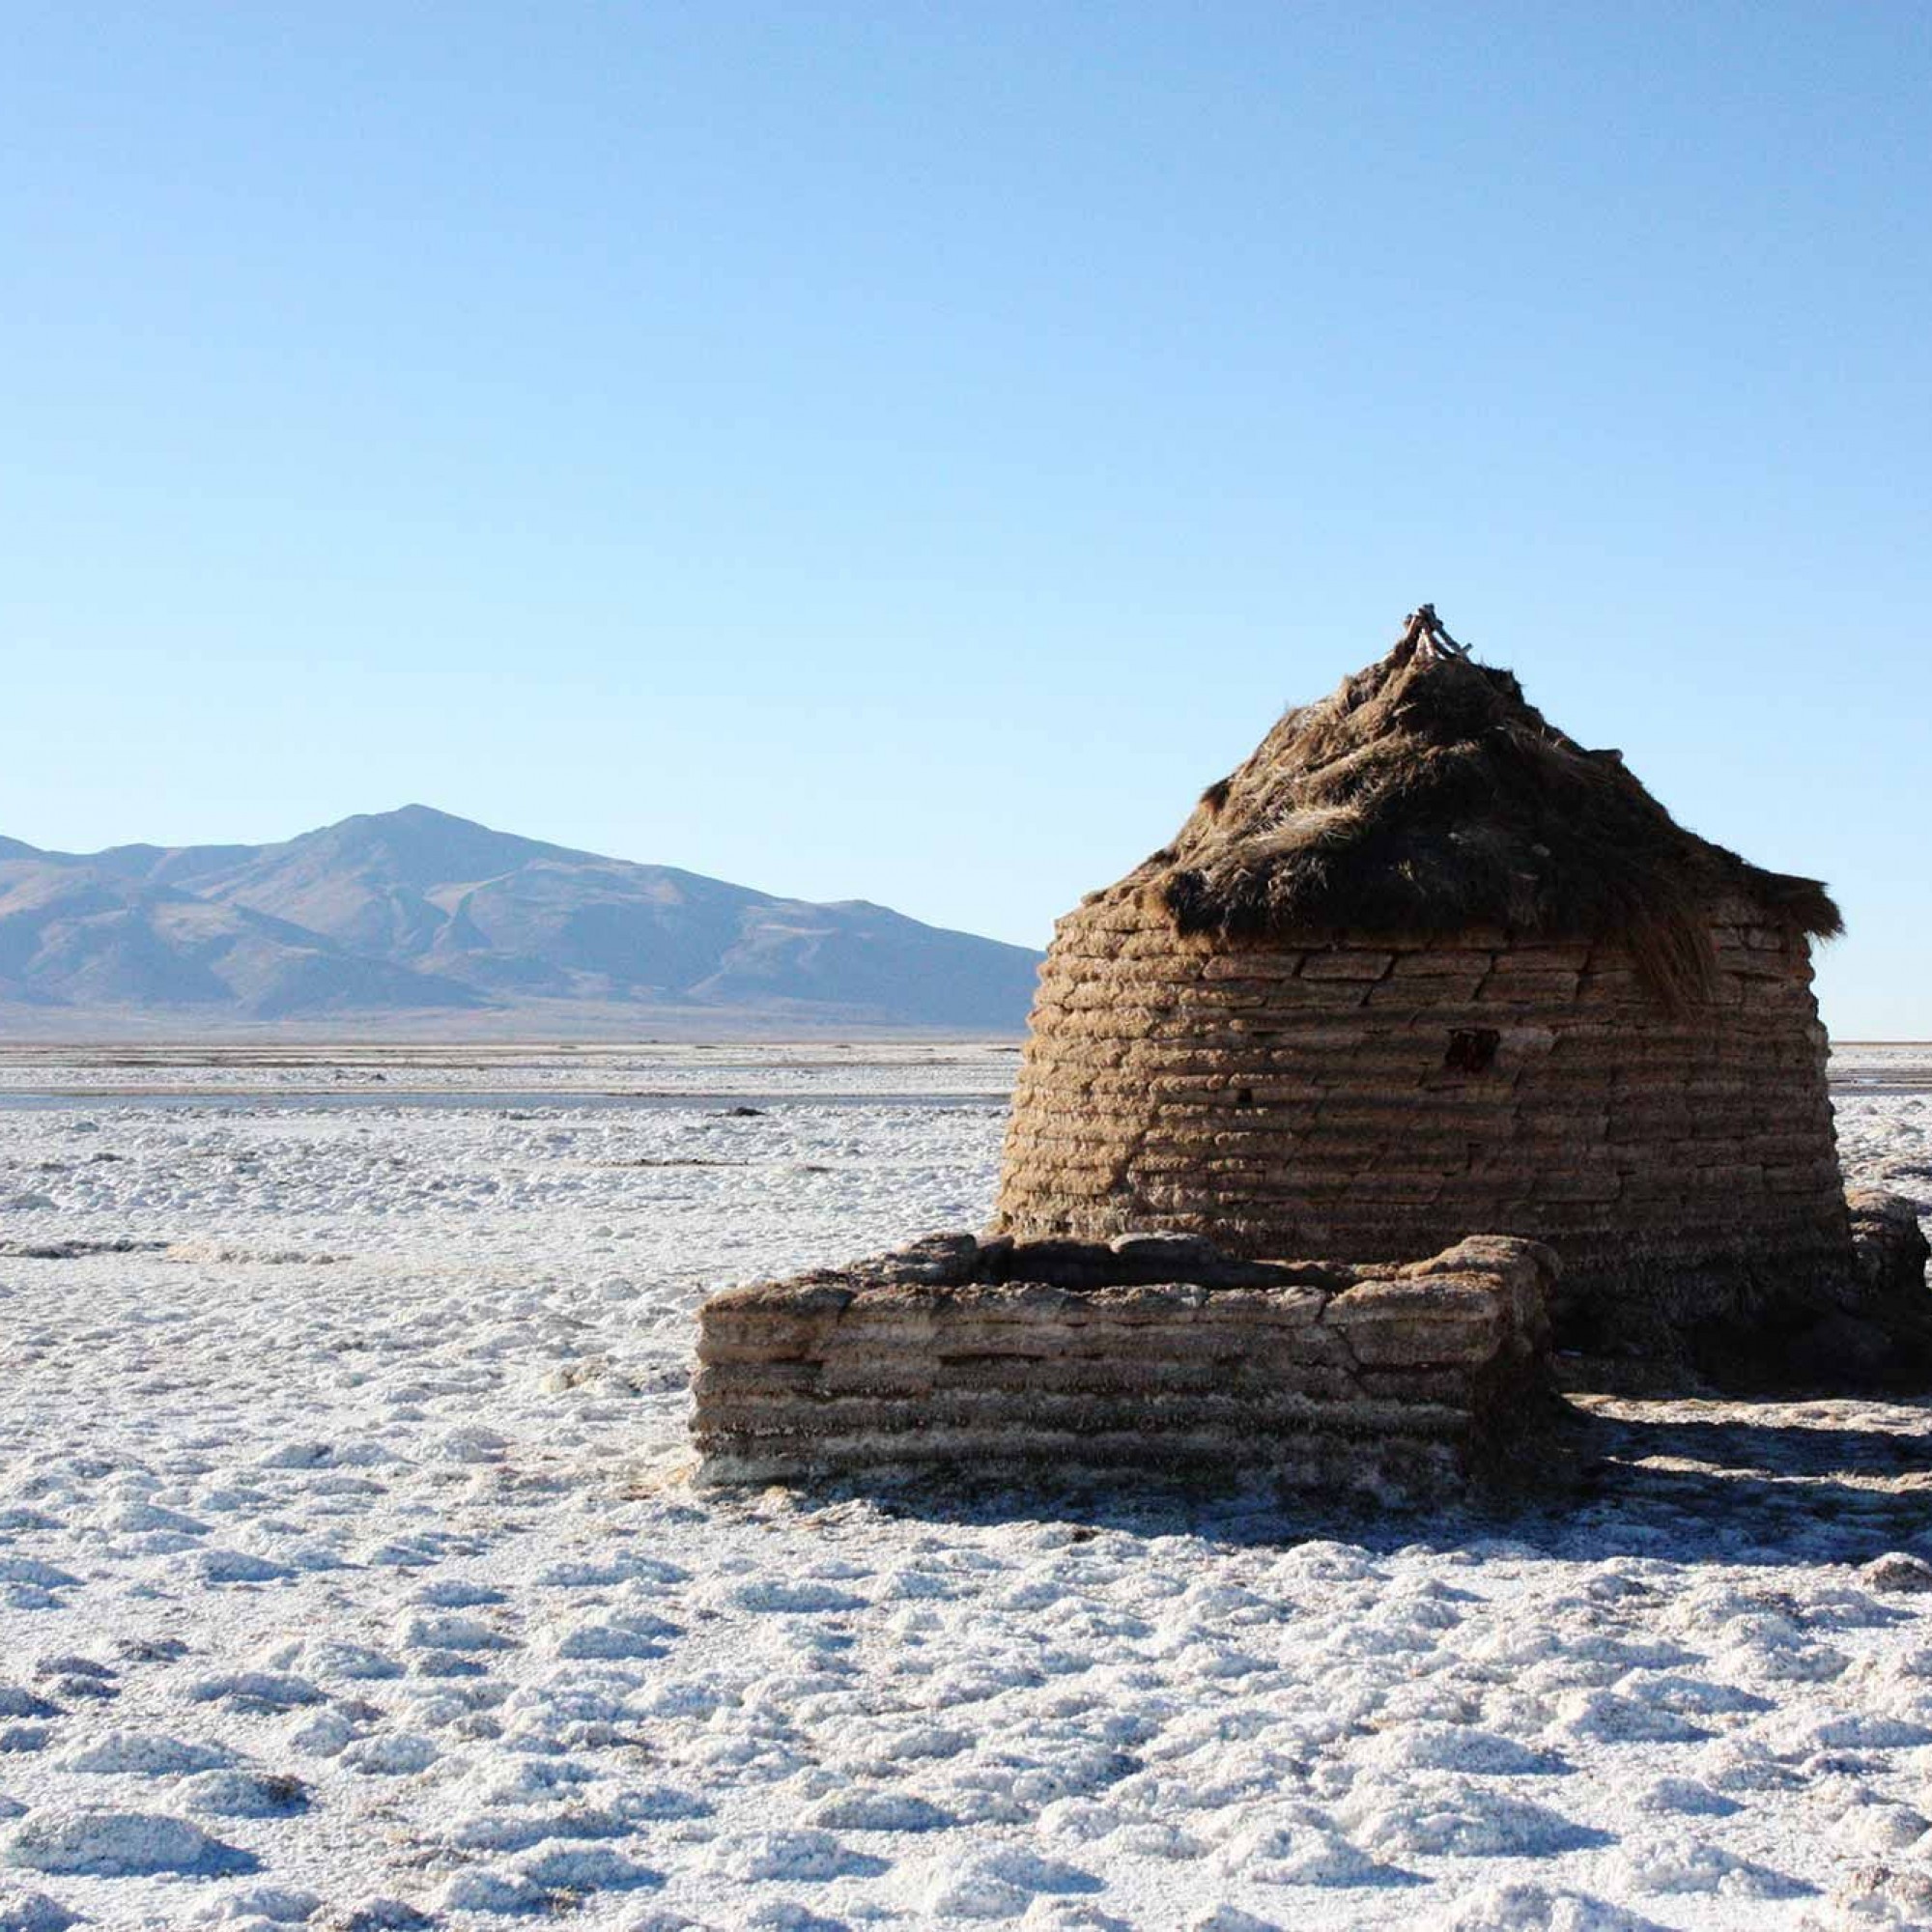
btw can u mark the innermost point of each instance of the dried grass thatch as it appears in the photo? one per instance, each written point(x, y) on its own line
point(1426, 794)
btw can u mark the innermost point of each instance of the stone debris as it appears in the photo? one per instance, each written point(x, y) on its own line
point(1890, 1246)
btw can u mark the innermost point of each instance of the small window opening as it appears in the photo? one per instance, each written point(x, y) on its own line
point(1245, 1097)
point(1472, 1049)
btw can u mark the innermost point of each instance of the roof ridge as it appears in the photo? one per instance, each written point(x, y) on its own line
point(1426, 793)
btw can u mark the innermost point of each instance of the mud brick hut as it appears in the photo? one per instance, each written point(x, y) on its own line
point(1425, 967)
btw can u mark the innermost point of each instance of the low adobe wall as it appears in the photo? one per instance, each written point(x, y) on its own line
point(1149, 1351)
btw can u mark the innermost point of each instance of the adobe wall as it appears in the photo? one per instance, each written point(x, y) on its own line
point(1374, 1098)
point(1154, 1352)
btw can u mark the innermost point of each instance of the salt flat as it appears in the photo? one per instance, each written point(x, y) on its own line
point(651, 1069)
point(349, 1574)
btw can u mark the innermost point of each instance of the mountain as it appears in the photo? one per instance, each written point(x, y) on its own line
point(418, 912)
point(75, 935)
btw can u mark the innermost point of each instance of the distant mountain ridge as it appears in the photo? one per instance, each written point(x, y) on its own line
point(418, 911)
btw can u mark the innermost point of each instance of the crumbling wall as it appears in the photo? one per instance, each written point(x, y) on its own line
point(1151, 1352)
point(1368, 1097)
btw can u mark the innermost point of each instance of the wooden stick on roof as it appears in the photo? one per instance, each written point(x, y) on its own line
point(1425, 632)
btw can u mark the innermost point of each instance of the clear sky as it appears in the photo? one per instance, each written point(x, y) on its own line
point(905, 451)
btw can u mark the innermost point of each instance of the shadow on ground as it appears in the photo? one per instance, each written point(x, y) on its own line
point(1685, 1480)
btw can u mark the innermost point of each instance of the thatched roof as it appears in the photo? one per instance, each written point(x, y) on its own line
point(1428, 794)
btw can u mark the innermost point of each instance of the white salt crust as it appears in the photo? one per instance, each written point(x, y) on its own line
point(348, 1577)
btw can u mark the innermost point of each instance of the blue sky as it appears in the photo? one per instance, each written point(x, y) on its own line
point(905, 451)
